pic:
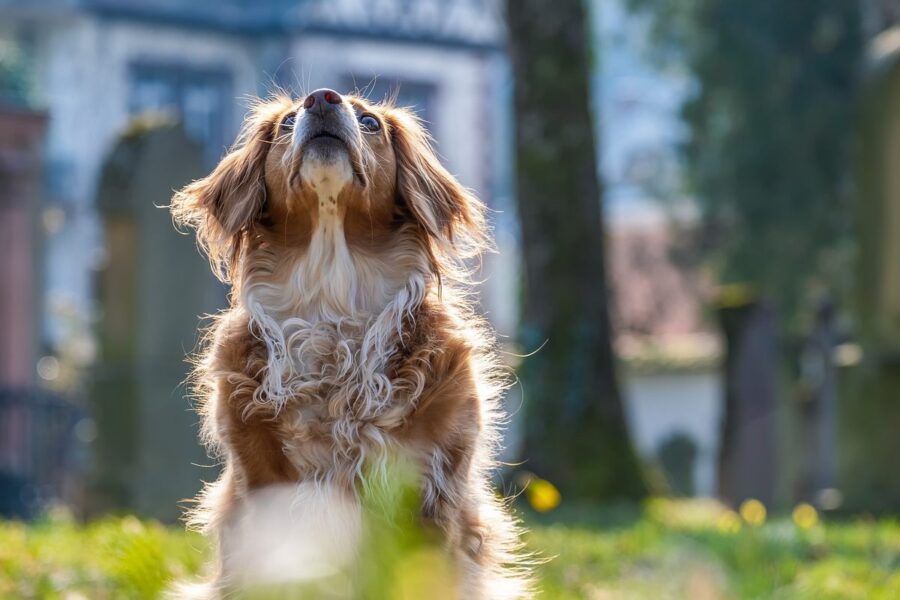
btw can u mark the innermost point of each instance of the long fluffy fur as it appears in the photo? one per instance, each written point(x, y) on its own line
point(320, 376)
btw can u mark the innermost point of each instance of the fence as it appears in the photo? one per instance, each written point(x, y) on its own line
point(41, 458)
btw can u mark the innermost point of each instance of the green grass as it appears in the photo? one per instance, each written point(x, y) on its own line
point(667, 549)
point(697, 550)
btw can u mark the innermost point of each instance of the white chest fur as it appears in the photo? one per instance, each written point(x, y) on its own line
point(332, 322)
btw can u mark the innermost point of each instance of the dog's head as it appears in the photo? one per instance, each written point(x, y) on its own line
point(299, 165)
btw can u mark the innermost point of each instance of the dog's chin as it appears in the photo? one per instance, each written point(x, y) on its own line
point(327, 160)
point(325, 167)
point(325, 149)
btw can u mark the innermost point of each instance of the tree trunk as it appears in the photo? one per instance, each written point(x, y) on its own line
point(575, 433)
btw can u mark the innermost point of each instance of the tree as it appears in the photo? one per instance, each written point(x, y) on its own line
point(575, 427)
point(768, 155)
point(768, 158)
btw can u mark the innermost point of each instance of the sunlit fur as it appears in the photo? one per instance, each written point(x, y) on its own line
point(351, 336)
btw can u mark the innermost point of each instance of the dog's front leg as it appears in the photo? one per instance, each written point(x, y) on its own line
point(447, 426)
point(458, 498)
point(246, 432)
point(245, 435)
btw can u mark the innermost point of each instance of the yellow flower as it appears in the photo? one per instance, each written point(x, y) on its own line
point(753, 512)
point(729, 522)
point(542, 495)
point(805, 516)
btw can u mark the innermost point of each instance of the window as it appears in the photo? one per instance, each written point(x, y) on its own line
point(200, 97)
point(415, 94)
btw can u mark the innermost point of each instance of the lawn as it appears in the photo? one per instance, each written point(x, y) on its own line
point(667, 549)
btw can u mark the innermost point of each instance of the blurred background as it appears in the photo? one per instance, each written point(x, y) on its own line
point(695, 202)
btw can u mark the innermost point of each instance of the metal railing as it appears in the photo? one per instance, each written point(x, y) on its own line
point(41, 459)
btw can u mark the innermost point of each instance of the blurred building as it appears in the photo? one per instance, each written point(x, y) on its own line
point(98, 63)
point(32, 469)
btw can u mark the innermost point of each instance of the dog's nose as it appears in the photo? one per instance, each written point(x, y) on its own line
point(322, 100)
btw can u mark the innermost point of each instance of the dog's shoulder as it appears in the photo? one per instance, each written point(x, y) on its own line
point(449, 385)
point(231, 343)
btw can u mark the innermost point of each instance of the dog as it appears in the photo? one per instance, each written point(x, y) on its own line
point(351, 340)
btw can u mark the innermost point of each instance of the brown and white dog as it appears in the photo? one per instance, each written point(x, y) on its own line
point(350, 339)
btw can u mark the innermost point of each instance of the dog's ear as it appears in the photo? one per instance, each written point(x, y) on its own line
point(451, 216)
point(223, 205)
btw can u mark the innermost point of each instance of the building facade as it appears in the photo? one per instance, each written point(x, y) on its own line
point(98, 63)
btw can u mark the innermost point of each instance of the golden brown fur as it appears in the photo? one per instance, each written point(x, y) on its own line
point(350, 338)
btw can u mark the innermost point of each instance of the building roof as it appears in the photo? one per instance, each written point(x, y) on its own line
point(658, 305)
point(474, 24)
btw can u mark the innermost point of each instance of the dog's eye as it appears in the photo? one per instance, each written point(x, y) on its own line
point(369, 123)
point(288, 121)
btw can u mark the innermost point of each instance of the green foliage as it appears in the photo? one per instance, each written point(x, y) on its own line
point(14, 83)
point(667, 549)
point(770, 129)
point(403, 557)
point(111, 558)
